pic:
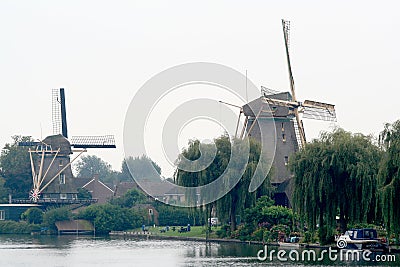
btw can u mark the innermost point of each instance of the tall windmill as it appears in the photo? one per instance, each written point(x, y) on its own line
point(285, 110)
point(50, 158)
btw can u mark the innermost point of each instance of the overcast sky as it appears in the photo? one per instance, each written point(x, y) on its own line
point(343, 52)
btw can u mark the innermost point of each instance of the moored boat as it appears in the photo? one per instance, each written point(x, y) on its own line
point(362, 239)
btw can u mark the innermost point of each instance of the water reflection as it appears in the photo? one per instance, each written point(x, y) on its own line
point(21, 250)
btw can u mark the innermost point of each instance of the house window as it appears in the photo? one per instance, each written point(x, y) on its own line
point(2, 215)
point(286, 160)
point(60, 163)
point(63, 196)
point(62, 178)
point(283, 138)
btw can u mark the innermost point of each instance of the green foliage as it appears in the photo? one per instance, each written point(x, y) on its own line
point(16, 168)
point(54, 215)
point(141, 168)
point(130, 198)
point(336, 175)
point(33, 215)
point(89, 166)
point(170, 215)
point(83, 193)
point(264, 220)
point(3, 191)
point(107, 217)
point(224, 231)
point(389, 177)
point(12, 227)
point(227, 152)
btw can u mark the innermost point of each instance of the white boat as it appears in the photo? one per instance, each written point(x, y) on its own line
point(362, 239)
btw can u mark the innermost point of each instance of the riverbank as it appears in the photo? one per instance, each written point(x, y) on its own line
point(151, 235)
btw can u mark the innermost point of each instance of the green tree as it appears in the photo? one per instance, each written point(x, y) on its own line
point(131, 198)
point(239, 198)
point(389, 177)
point(140, 168)
point(336, 175)
point(89, 166)
point(33, 215)
point(15, 167)
point(3, 191)
point(83, 193)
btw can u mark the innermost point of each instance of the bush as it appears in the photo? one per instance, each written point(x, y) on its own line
point(169, 215)
point(243, 233)
point(33, 215)
point(129, 199)
point(258, 235)
point(54, 215)
point(83, 193)
point(224, 231)
point(12, 227)
point(107, 217)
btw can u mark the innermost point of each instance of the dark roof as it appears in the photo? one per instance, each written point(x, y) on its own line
point(80, 182)
point(123, 187)
point(59, 141)
point(156, 188)
point(253, 107)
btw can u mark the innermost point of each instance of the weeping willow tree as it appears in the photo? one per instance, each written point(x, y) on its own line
point(389, 177)
point(336, 176)
point(238, 198)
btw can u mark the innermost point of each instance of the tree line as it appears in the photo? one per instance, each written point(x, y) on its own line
point(346, 179)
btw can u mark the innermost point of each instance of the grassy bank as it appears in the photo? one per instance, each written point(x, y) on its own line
point(195, 231)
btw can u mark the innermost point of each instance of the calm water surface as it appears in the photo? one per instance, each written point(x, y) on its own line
point(21, 250)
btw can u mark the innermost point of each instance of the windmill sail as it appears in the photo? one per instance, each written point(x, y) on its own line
point(59, 113)
point(318, 111)
point(56, 111)
point(103, 141)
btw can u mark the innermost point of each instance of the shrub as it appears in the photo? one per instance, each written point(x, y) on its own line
point(107, 217)
point(33, 215)
point(224, 231)
point(52, 216)
point(12, 227)
point(258, 235)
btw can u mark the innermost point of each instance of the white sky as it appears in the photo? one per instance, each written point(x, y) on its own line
point(343, 52)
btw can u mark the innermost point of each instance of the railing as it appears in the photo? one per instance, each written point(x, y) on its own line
point(54, 201)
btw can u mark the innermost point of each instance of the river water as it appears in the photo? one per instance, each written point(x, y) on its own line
point(25, 250)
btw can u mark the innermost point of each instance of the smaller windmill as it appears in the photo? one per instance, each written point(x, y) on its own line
point(50, 158)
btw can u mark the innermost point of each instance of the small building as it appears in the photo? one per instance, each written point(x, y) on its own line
point(12, 212)
point(99, 190)
point(74, 227)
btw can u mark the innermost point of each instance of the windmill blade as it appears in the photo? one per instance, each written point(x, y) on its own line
point(318, 111)
point(56, 111)
point(59, 113)
point(280, 103)
point(268, 91)
point(286, 29)
point(103, 141)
